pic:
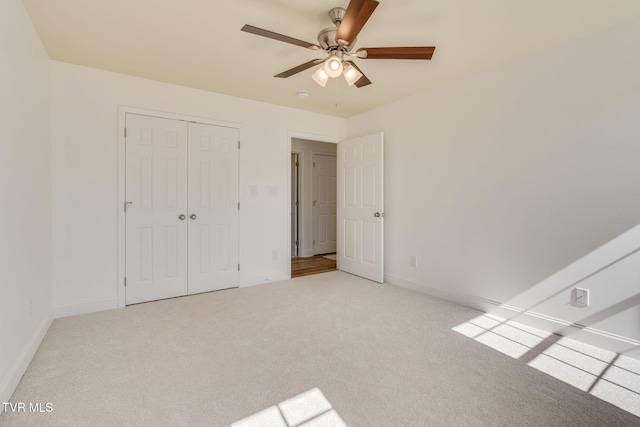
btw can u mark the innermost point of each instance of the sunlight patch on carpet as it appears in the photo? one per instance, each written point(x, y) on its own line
point(308, 409)
point(611, 377)
point(510, 338)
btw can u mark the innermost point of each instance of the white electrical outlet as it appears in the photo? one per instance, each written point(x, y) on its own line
point(580, 297)
point(413, 261)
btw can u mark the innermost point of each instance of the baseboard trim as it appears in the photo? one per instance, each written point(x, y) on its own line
point(467, 300)
point(262, 280)
point(84, 307)
point(592, 336)
point(21, 364)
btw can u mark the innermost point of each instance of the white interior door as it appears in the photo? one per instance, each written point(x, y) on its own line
point(156, 194)
point(213, 208)
point(324, 204)
point(360, 206)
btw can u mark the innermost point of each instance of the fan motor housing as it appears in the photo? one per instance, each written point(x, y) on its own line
point(327, 37)
point(327, 40)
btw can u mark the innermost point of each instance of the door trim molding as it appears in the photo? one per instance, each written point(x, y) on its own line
point(123, 110)
point(300, 157)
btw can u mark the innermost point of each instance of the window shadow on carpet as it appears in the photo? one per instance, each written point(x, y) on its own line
point(308, 409)
point(612, 377)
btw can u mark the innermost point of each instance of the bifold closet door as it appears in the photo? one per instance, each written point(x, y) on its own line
point(181, 206)
point(213, 208)
point(156, 195)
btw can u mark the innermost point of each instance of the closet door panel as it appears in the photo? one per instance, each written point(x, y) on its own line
point(156, 192)
point(213, 207)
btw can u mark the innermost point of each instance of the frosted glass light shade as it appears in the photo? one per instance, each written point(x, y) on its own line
point(333, 67)
point(351, 74)
point(320, 77)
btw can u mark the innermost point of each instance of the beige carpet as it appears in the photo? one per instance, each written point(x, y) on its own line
point(378, 355)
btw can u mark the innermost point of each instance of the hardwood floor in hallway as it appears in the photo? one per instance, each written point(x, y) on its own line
point(311, 265)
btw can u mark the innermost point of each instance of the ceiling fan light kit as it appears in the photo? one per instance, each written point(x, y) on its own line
point(333, 66)
point(320, 77)
point(351, 74)
point(338, 42)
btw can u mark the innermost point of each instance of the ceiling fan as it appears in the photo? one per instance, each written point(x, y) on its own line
point(338, 43)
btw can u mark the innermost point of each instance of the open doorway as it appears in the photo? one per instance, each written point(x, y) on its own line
point(313, 206)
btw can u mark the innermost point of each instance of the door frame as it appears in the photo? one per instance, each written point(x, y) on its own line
point(123, 110)
point(305, 219)
point(301, 212)
point(299, 178)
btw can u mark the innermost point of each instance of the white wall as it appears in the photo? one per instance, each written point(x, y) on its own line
point(497, 181)
point(85, 176)
point(307, 148)
point(26, 308)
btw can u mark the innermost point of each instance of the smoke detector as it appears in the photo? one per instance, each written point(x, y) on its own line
point(303, 94)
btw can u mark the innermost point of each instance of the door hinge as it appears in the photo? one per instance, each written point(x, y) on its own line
point(297, 243)
point(125, 282)
point(297, 163)
point(314, 242)
point(238, 267)
point(314, 164)
point(125, 132)
point(238, 144)
point(297, 204)
point(238, 205)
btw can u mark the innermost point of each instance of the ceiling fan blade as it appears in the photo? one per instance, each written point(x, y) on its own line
point(413, 52)
point(362, 81)
point(301, 67)
point(357, 14)
point(271, 35)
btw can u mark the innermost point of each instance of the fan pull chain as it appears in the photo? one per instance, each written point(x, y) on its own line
point(337, 92)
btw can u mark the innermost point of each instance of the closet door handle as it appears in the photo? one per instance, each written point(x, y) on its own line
point(193, 216)
point(181, 217)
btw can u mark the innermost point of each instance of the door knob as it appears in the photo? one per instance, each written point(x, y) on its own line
point(377, 214)
point(193, 216)
point(181, 217)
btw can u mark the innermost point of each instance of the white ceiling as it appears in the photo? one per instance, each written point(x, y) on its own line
point(198, 43)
